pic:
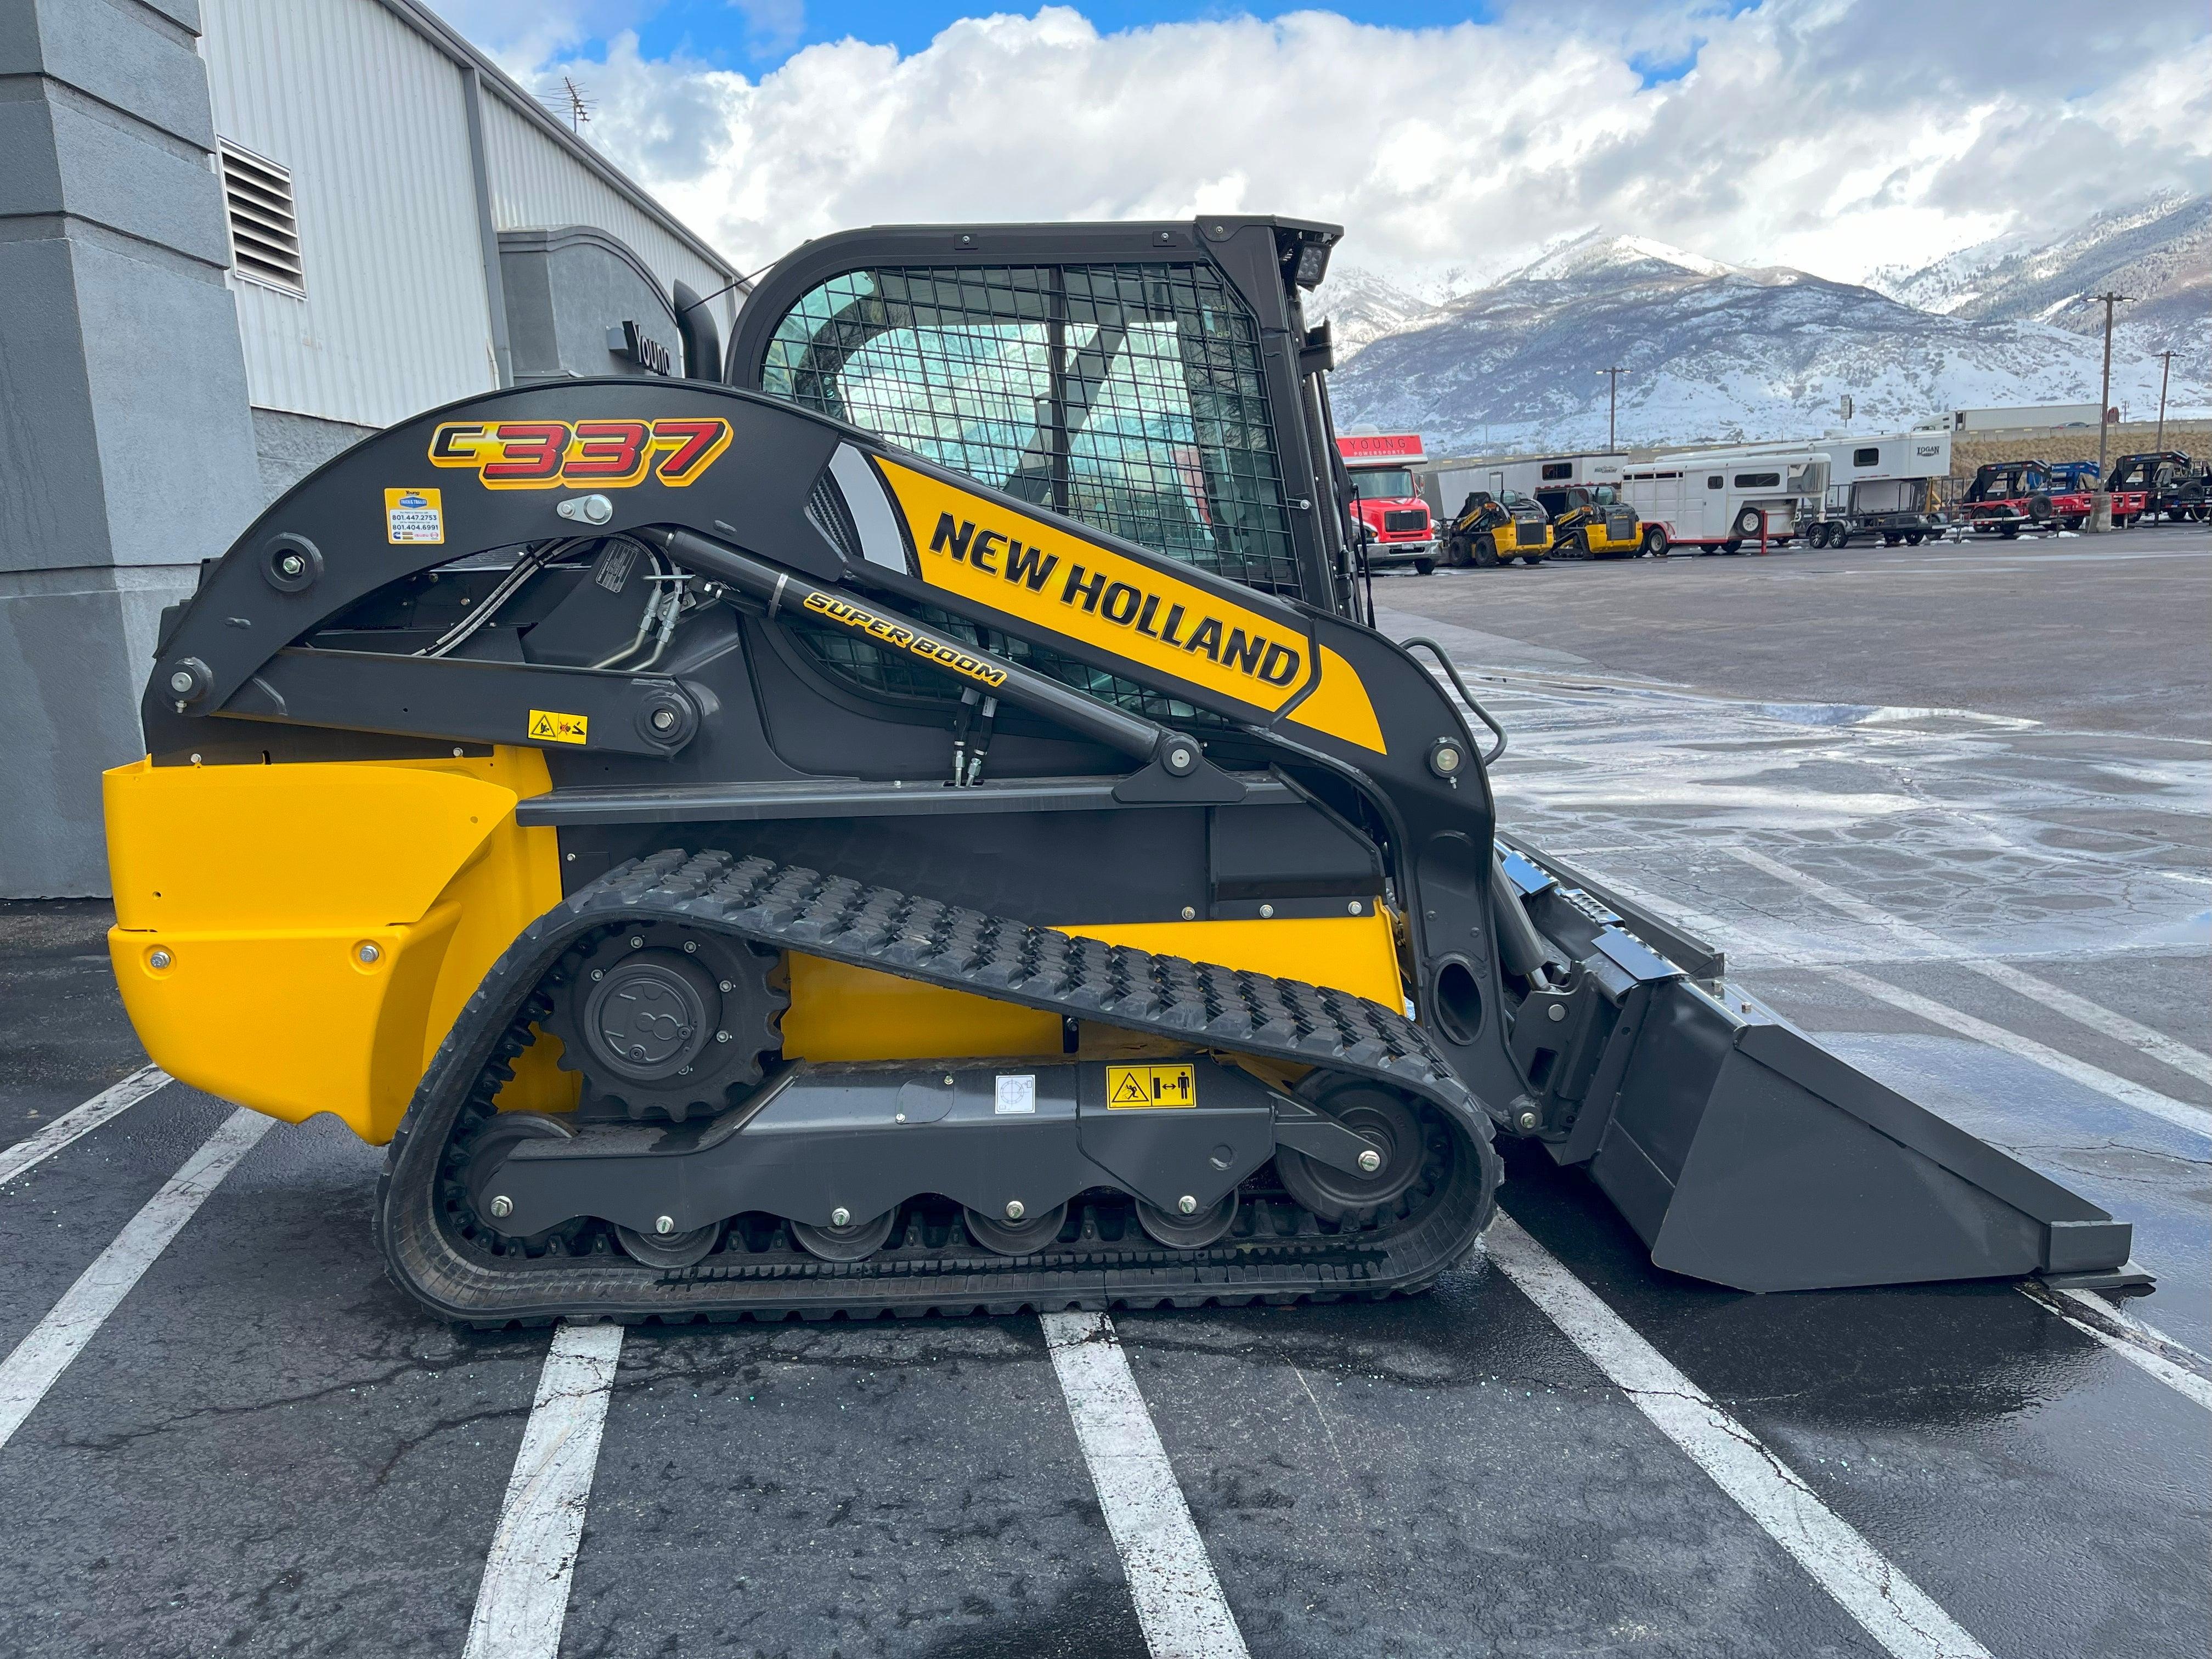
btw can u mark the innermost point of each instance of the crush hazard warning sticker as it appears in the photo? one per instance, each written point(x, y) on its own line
point(414, 515)
point(548, 726)
point(1131, 1087)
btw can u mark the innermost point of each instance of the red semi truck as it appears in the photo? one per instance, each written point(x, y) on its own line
point(1399, 530)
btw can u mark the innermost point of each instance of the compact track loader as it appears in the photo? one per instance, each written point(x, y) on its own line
point(922, 825)
point(1591, 521)
point(1488, 531)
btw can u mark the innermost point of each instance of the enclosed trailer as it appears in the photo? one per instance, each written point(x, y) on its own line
point(1722, 500)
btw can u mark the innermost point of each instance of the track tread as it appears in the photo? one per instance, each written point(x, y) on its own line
point(835, 917)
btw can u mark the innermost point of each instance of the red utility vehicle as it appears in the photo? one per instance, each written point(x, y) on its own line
point(1399, 526)
point(2007, 495)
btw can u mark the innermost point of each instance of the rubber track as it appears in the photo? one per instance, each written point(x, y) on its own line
point(1201, 1004)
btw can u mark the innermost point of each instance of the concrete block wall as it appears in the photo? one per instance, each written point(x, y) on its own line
point(127, 447)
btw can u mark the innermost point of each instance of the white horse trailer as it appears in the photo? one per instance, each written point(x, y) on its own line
point(1721, 500)
point(1549, 472)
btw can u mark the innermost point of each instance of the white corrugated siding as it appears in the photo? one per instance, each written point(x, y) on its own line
point(537, 186)
point(369, 117)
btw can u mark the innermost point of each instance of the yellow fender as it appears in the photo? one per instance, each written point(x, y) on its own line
point(299, 939)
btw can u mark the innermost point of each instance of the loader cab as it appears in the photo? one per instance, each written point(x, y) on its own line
point(1116, 373)
point(1578, 496)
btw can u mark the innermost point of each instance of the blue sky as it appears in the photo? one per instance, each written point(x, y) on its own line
point(1835, 136)
point(718, 31)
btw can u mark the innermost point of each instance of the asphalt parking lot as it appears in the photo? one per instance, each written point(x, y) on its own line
point(1945, 807)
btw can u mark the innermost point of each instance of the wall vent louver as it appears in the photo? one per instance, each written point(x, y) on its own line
point(265, 235)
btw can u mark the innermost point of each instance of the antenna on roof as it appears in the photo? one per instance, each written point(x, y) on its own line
point(570, 100)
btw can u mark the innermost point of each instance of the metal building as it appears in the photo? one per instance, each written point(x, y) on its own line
point(235, 236)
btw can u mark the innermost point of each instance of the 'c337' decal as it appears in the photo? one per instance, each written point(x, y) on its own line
point(567, 454)
point(975, 668)
point(1076, 589)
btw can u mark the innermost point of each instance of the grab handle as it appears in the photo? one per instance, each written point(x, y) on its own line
point(1466, 696)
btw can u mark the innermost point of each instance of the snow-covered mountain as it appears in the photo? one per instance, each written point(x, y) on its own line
point(2160, 252)
point(1361, 307)
point(1713, 351)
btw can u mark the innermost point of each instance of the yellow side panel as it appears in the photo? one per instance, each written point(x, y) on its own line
point(1339, 706)
point(247, 897)
point(1359, 954)
point(839, 1012)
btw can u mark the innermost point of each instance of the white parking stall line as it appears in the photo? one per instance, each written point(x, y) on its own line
point(46, 1354)
point(2181, 1368)
point(1892, 1609)
point(2155, 1044)
point(1180, 1607)
point(79, 1121)
point(522, 1600)
point(2195, 1119)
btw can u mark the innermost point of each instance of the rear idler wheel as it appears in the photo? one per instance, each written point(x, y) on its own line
point(854, 1241)
point(1021, 1235)
point(1195, 1231)
point(1389, 1124)
point(669, 1250)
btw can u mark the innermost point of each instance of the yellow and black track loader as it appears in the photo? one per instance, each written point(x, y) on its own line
point(1488, 531)
point(919, 824)
point(1592, 522)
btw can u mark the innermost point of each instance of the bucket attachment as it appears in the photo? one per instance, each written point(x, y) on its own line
point(1743, 1153)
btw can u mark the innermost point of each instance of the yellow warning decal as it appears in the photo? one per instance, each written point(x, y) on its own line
point(1130, 1087)
point(547, 726)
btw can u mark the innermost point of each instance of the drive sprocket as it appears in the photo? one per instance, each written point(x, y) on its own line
point(663, 1019)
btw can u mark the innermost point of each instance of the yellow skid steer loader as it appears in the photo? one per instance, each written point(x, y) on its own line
point(922, 824)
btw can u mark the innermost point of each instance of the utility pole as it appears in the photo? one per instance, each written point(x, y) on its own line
point(2104, 401)
point(1612, 405)
point(2165, 374)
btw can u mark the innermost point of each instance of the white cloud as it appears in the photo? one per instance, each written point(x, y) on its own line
point(1836, 135)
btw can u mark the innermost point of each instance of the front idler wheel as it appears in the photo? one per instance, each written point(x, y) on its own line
point(853, 1241)
point(1194, 1231)
point(1018, 1235)
point(1388, 1125)
point(671, 1249)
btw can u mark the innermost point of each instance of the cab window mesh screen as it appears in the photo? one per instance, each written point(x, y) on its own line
point(1127, 397)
